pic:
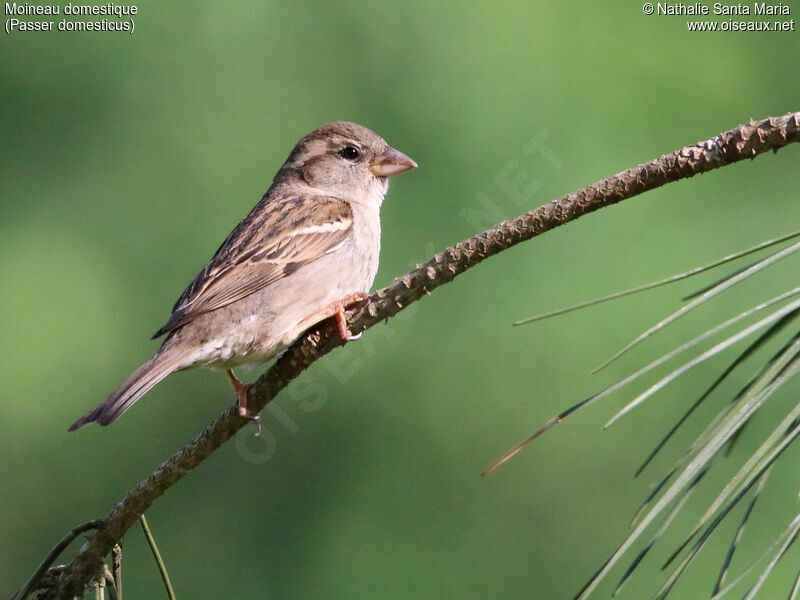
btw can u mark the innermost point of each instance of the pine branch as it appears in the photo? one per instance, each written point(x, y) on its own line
point(741, 143)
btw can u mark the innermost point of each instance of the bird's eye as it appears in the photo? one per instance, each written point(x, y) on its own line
point(349, 152)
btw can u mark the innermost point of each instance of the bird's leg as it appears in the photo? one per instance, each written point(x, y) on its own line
point(336, 309)
point(241, 388)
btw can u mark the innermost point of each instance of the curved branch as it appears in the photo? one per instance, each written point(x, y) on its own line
point(743, 142)
point(36, 578)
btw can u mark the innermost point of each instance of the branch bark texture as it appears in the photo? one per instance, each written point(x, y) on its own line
point(741, 143)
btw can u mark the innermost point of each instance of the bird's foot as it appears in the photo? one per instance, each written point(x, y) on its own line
point(336, 309)
point(241, 388)
point(341, 322)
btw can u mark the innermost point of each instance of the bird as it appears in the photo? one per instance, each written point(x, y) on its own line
point(306, 251)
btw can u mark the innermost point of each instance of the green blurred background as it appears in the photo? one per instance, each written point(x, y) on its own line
point(126, 159)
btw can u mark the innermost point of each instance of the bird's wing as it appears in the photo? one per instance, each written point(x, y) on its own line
point(274, 240)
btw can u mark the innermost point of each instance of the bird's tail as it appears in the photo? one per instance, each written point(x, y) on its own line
point(136, 386)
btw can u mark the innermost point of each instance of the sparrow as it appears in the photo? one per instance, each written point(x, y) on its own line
point(306, 251)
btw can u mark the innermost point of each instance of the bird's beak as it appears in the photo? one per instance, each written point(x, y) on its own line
point(391, 162)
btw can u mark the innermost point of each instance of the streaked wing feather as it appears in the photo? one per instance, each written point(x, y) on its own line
point(260, 251)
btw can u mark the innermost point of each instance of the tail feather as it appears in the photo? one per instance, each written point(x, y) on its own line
point(137, 385)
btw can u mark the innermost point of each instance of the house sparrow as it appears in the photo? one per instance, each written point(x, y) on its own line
point(306, 251)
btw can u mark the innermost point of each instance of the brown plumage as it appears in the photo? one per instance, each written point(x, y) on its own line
point(309, 245)
point(256, 253)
